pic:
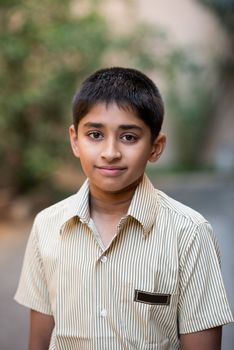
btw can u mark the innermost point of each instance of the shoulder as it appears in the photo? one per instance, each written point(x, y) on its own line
point(52, 216)
point(185, 224)
point(178, 210)
point(56, 209)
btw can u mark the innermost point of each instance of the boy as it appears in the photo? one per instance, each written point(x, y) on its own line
point(120, 265)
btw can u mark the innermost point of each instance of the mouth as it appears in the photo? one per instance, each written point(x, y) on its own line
point(111, 170)
point(110, 167)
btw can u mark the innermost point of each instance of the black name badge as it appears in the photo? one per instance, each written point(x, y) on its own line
point(151, 298)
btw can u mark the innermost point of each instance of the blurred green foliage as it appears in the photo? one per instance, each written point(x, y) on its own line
point(193, 94)
point(191, 102)
point(45, 53)
point(224, 10)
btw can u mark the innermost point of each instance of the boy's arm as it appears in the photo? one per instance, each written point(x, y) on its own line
point(41, 327)
point(209, 339)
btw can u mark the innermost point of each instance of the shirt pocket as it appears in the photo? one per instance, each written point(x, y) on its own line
point(152, 298)
point(150, 318)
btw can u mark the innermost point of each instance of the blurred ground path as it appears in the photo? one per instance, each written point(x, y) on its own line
point(213, 197)
point(13, 318)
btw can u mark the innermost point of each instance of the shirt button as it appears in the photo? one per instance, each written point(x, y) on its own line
point(104, 259)
point(103, 313)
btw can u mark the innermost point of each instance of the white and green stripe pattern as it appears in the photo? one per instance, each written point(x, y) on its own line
point(161, 247)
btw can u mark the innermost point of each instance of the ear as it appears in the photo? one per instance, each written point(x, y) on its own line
point(74, 141)
point(157, 147)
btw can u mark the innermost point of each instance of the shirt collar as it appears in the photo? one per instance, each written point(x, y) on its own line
point(143, 206)
point(78, 205)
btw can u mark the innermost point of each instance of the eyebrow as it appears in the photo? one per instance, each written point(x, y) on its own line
point(122, 126)
point(93, 125)
point(129, 126)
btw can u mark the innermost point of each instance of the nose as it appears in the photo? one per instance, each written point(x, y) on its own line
point(111, 151)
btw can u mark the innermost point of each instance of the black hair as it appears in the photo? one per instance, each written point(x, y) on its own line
point(128, 88)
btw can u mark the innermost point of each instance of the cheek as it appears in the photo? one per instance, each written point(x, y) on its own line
point(88, 155)
point(141, 155)
point(86, 166)
point(85, 149)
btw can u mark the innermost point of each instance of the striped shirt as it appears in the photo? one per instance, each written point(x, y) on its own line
point(160, 275)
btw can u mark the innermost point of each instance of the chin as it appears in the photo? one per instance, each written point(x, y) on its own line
point(113, 189)
point(120, 188)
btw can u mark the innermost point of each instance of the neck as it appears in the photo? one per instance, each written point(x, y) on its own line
point(109, 203)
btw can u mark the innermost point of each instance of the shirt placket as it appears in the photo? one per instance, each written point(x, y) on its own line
point(102, 330)
point(107, 331)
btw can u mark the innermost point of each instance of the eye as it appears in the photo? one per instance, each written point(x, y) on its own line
point(95, 135)
point(129, 138)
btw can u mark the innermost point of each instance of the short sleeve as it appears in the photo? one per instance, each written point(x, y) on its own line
point(202, 299)
point(32, 290)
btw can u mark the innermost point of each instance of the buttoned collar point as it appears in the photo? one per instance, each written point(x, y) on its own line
point(144, 205)
point(77, 206)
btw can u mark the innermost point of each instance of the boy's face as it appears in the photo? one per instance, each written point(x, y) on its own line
point(114, 146)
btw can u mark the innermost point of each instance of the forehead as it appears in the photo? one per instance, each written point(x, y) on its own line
point(112, 114)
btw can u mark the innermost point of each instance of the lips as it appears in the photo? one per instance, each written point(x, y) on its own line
point(110, 167)
point(110, 170)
